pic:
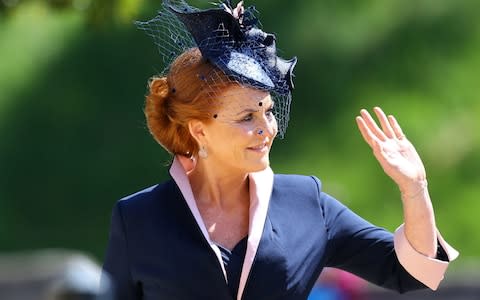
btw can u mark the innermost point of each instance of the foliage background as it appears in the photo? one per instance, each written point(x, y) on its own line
point(73, 138)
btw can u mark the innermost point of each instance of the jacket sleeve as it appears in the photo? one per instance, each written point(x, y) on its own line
point(368, 251)
point(116, 265)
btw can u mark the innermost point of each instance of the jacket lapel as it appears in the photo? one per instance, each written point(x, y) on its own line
point(261, 184)
point(179, 169)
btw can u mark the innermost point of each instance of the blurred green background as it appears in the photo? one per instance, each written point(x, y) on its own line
point(73, 140)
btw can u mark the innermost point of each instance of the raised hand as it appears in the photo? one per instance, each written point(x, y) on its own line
point(401, 162)
point(393, 150)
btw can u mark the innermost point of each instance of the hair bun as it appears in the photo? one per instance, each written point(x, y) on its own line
point(159, 87)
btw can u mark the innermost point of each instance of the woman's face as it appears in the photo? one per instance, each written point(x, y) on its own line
point(243, 129)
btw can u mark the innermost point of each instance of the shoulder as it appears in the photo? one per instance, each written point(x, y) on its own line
point(299, 189)
point(297, 182)
point(307, 188)
point(147, 199)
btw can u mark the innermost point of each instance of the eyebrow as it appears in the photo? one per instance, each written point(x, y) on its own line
point(248, 110)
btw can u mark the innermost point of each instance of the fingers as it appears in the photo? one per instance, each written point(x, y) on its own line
point(390, 127)
point(396, 127)
point(367, 134)
point(372, 125)
point(386, 127)
point(372, 134)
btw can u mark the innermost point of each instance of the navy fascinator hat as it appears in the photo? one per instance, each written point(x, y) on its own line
point(230, 38)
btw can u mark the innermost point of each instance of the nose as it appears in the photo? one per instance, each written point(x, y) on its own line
point(268, 127)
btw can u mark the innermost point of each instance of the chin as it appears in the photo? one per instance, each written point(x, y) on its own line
point(259, 165)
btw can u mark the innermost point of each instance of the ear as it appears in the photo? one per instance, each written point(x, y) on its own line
point(197, 130)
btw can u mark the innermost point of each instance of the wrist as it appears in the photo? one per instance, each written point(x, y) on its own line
point(414, 189)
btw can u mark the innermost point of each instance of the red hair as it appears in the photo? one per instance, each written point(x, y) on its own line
point(185, 94)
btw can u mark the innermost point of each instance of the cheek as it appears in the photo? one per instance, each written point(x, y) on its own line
point(245, 130)
point(274, 125)
point(236, 138)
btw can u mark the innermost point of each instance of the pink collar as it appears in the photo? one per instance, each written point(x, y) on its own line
point(261, 184)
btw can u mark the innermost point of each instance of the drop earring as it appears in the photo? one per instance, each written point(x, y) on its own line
point(202, 152)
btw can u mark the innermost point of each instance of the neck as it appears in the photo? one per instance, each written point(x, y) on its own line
point(225, 189)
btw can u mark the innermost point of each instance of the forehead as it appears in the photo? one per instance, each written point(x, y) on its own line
point(238, 98)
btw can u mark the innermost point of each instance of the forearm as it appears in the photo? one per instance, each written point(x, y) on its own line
point(419, 218)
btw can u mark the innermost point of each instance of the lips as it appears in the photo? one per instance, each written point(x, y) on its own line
point(260, 148)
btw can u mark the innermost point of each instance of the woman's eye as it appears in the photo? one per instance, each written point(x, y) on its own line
point(247, 118)
point(269, 113)
point(250, 116)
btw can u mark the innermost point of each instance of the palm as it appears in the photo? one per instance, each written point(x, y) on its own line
point(394, 152)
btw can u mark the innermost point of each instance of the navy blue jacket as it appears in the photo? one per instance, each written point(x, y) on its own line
point(157, 251)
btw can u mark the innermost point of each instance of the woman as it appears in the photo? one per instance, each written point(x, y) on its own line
point(225, 226)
